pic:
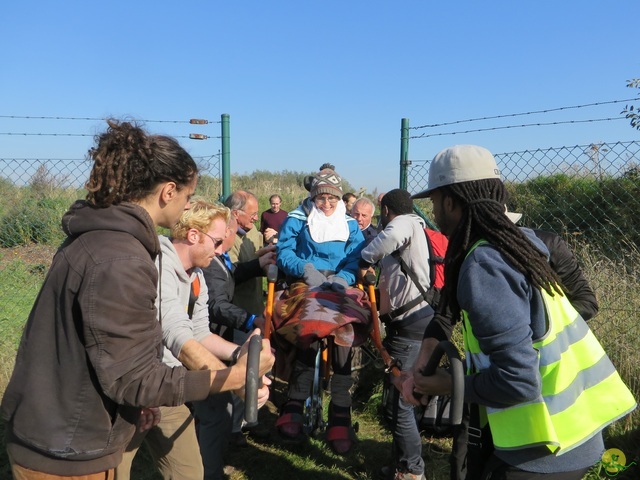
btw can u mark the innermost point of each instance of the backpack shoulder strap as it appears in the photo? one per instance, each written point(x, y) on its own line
point(193, 295)
point(425, 295)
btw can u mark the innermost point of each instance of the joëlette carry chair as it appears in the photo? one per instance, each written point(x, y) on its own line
point(302, 316)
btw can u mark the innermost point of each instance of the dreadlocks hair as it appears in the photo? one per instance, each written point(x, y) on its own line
point(483, 218)
point(129, 164)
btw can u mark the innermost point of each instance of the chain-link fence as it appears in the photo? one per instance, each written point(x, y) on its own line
point(589, 194)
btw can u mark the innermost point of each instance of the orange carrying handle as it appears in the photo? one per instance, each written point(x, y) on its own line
point(272, 276)
point(389, 362)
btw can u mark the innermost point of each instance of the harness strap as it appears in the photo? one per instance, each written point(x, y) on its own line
point(425, 295)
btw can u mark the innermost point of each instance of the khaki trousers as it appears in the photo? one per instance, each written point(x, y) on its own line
point(21, 473)
point(173, 445)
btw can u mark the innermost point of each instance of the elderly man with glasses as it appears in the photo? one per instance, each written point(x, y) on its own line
point(244, 207)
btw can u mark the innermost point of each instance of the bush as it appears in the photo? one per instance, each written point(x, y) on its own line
point(34, 220)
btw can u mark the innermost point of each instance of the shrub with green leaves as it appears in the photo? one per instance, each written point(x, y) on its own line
point(34, 220)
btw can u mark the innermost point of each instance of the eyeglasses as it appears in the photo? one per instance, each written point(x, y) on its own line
point(216, 241)
point(331, 200)
point(252, 216)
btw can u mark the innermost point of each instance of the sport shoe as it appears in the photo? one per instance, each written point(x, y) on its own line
point(390, 473)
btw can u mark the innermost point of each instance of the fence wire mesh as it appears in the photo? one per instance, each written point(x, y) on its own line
point(590, 195)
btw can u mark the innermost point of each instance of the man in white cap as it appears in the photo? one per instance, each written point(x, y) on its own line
point(539, 386)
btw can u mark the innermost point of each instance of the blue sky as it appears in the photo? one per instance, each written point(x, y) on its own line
point(308, 82)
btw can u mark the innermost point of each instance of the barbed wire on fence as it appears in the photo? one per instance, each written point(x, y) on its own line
point(495, 117)
point(27, 134)
point(30, 117)
point(506, 127)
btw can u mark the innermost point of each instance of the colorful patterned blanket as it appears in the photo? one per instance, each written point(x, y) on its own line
point(302, 315)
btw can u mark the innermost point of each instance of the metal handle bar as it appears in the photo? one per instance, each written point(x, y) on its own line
point(457, 374)
point(253, 381)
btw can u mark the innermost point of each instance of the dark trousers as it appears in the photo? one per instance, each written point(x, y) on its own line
point(213, 432)
point(340, 358)
point(407, 442)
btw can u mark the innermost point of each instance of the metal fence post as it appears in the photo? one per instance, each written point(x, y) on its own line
point(404, 152)
point(226, 162)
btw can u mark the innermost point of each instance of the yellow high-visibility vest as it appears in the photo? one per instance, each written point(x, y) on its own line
point(581, 390)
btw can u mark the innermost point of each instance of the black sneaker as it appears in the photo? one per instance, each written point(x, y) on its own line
point(257, 432)
point(238, 439)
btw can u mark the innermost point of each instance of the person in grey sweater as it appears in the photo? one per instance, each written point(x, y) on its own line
point(401, 246)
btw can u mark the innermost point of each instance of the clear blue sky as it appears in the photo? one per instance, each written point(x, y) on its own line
point(306, 82)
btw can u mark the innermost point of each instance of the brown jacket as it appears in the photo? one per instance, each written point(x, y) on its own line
point(90, 355)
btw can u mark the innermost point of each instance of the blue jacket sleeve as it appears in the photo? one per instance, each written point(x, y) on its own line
point(501, 305)
point(287, 259)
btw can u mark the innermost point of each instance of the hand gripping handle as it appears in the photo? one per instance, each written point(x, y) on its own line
point(457, 373)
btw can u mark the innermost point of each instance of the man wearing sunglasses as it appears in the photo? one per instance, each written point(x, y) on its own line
point(182, 305)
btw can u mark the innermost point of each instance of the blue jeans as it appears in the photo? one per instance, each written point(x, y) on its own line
point(407, 442)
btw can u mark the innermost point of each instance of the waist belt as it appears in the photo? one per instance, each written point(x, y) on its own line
point(400, 328)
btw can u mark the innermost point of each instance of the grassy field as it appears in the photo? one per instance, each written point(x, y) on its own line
point(22, 272)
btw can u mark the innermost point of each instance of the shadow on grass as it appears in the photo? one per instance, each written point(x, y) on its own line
point(311, 459)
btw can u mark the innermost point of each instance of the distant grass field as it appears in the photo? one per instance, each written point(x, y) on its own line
point(21, 276)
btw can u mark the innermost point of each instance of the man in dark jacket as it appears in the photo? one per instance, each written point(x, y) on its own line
point(226, 318)
point(222, 276)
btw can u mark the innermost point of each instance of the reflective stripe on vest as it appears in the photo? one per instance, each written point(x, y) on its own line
point(581, 390)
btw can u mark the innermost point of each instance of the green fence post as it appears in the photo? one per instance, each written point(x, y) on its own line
point(404, 152)
point(226, 162)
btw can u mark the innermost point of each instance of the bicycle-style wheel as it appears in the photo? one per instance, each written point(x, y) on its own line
point(313, 406)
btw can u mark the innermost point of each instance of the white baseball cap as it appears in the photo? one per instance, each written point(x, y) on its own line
point(460, 163)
